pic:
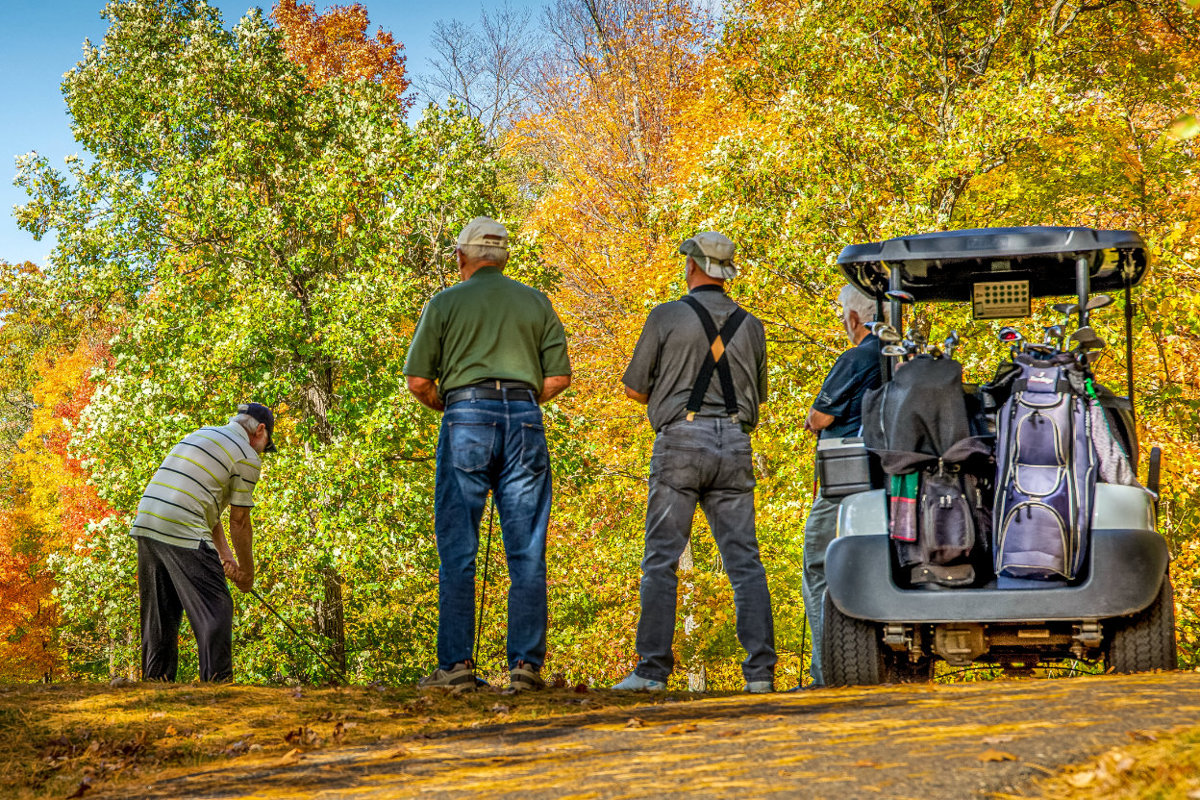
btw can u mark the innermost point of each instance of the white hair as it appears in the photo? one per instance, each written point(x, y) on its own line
point(483, 252)
point(852, 299)
point(246, 421)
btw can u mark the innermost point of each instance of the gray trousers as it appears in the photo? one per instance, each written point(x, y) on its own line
point(706, 461)
point(819, 531)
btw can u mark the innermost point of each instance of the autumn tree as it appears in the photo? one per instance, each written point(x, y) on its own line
point(806, 128)
point(262, 236)
point(336, 45)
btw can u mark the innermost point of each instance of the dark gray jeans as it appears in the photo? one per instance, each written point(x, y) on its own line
point(706, 461)
point(819, 531)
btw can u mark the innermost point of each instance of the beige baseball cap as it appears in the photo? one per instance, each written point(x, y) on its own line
point(483, 231)
point(713, 252)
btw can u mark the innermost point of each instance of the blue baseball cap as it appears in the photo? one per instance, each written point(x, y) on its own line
point(263, 415)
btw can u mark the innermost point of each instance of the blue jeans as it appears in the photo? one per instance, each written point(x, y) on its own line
point(819, 530)
point(706, 461)
point(497, 445)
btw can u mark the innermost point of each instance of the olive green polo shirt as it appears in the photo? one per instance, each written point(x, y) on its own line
point(488, 326)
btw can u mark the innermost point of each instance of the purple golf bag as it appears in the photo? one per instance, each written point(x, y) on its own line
point(1045, 471)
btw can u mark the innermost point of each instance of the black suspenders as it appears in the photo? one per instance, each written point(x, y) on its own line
point(713, 359)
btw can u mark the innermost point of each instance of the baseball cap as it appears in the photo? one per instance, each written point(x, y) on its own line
point(483, 231)
point(713, 252)
point(264, 415)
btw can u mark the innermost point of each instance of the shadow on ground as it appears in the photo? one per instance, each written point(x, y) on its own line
point(925, 741)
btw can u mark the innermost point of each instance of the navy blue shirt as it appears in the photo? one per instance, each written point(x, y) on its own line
point(855, 371)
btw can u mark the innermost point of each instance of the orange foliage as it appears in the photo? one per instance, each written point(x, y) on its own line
point(617, 131)
point(27, 614)
point(48, 507)
point(335, 45)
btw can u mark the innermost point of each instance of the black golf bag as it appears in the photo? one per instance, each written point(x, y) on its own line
point(1045, 471)
point(917, 424)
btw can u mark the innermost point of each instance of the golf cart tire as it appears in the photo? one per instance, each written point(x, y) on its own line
point(1146, 641)
point(853, 655)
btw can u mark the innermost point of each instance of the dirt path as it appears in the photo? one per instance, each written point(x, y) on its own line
point(926, 741)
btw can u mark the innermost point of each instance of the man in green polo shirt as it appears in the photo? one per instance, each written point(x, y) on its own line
point(487, 352)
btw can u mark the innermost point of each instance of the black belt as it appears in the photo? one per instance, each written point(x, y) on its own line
point(491, 390)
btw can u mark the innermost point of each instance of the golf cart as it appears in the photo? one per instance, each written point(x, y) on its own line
point(1116, 605)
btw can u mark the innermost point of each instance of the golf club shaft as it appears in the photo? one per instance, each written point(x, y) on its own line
point(487, 553)
point(337, 670)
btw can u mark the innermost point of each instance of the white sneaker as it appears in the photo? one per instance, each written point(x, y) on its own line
point(759, 687)
point(636, 683)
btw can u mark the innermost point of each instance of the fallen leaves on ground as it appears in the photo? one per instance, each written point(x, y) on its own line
point(991, 755)
point(64, 733)
point(291, 757)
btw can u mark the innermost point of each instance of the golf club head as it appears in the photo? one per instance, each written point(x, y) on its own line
point(901, 297)
point(1040, 348)
point(1010, 335)
point(950, 343)
point(1099, 301)
point(1086, 339)
point(1067, 310)
point(1055, 333)
point(894, 351)
point(885, 333)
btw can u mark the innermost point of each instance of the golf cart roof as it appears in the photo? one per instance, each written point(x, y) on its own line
point(946, 266)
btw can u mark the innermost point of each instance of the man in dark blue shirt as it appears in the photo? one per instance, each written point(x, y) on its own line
point(837, 412)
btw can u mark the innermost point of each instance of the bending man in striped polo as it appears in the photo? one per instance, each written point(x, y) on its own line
point(183, 556)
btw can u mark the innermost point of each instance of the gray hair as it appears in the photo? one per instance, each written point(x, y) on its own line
point(483, 252)
point(852, 299)
point(246, 421)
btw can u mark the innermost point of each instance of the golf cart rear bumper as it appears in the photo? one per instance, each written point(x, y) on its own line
point(1125, 571)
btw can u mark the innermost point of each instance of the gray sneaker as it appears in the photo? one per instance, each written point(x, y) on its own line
point(459, 678)
point(525, 677)
point(636, 683)
point(759, 687)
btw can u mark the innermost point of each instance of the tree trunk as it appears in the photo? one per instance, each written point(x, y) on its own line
point(330, 616)
point(316, 402)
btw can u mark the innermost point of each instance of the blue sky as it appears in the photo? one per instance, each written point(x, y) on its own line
point(42, 39)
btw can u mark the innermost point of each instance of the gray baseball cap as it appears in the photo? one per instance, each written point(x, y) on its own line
point(713, 252)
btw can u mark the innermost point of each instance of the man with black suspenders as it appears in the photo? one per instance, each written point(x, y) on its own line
point(700, 367)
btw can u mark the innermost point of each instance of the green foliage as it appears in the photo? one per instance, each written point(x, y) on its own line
point(260, 238)
point(254, 235)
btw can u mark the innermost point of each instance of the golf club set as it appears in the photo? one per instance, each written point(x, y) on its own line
point(1087, 344)
point(914, 343)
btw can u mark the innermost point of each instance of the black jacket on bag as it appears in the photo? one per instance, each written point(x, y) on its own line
point(919, 417)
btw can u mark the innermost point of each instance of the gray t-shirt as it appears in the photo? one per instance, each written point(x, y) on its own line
point(671, 350)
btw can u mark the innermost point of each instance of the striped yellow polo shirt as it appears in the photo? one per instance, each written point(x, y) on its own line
point(209, 470)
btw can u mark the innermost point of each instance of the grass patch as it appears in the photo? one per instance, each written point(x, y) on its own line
point(56, 740)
